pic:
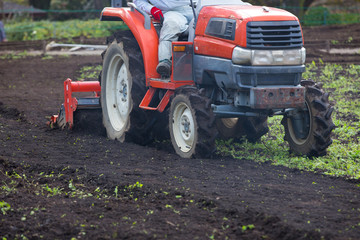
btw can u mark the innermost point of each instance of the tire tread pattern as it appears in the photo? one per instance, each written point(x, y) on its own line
point(320, 136)
point(141, 121)
point(205, 118)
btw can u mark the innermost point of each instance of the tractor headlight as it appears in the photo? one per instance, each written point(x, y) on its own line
point(262, 57)
point(269, 57)
point(241, 56)
point(303, 55)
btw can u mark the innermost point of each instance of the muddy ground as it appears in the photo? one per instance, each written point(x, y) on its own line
point(79, 185)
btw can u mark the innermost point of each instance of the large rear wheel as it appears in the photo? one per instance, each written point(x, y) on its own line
point(308, 130)
point(252, 128)
point(229, 128)
point(122, 89)
point(191, 123)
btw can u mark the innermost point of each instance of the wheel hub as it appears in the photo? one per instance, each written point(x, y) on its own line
point(122, 88)
point(118, 97)
point(185, 127)
point(123, 91)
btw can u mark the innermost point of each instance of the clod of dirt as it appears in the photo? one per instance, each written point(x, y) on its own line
point(11, 113)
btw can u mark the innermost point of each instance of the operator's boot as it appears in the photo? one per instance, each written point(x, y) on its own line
point(164, 68)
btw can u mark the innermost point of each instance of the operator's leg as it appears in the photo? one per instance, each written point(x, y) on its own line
point(175, 23)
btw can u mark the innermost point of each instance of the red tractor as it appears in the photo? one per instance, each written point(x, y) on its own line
point(237, 66)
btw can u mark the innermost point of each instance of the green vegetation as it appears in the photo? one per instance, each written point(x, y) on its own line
point(14, 55)
point(4, 207)
point(134, 186)
point(89, 72)
point(248, 227)
point(343, 158)
point(322, 16)
point(31, 30)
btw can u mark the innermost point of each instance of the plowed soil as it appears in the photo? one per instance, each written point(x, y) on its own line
point(80, 185)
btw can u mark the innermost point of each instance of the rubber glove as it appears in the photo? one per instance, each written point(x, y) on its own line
point(157, 14)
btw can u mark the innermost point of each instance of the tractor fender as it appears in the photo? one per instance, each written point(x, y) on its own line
point(144, 32)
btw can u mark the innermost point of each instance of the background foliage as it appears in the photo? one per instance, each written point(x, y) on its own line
point(323, 16)
point(69, 29)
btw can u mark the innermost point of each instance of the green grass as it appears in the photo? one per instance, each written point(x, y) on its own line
point(326, 16)
point(4, 207)
point(343, 158)
point(89, 73)
point(11, 56)
point(42, 30)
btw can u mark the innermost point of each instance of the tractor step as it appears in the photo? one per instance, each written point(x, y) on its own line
point(149, 96)
point(164, 80)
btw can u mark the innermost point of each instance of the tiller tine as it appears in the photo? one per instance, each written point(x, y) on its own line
point(65, 118)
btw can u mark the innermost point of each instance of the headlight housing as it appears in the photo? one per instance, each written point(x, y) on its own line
point(244, 56)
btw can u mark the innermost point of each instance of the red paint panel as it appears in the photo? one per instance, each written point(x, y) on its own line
point(147, 39)
point(169, 85)
point(242, 14)
point(165, 101)
point(162, 84)
point(88, 86)
point(210, 46)
point(70, 103)
point(147, 98)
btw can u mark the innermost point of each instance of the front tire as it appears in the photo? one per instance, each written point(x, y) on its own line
point(192, 124)
point(308, 131)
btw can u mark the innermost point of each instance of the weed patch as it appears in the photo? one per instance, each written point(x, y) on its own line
point(89, 73)
point(342, 82)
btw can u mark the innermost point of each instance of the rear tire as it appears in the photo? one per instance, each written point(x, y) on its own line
point(317, 123)
point(229, 128)
point(122, 89)
point(255, 128)
point(192, 124)
point(249, 127)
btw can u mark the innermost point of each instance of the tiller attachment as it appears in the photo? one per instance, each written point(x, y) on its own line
point(65, 118)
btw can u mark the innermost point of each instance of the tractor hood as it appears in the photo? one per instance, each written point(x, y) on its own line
point(220, 28)
point(247, 13)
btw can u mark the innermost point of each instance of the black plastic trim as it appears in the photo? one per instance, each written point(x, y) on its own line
point(233, 76)
point(110, 18)
point(274, 35)
point(221, 28)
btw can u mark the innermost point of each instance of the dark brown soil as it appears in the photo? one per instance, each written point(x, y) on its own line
point(320, 40)
point(78, 184)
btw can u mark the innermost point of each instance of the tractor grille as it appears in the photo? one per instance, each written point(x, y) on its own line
point(274, 35)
